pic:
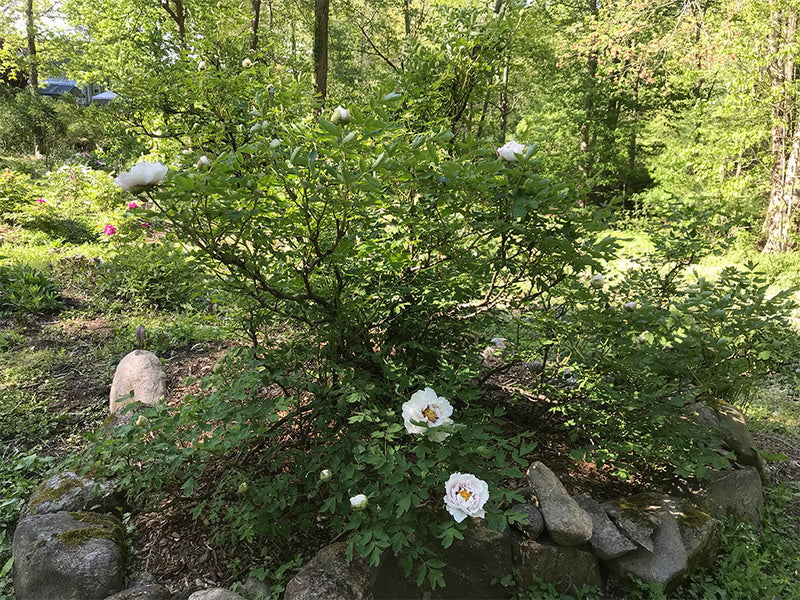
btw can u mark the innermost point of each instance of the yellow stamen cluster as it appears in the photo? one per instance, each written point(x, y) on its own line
point(466, 495)
point(430, 414)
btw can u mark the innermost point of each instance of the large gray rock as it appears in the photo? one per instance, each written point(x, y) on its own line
point(566, 522)
point(607, 541)
point(729, 424)
point(635, 522)
point(215, 594)
point(139, 372)
point(735, 492)
point(535, 524)
point(64, 555)
point(683, 542)
point(473, 568)
point(328, 576)
point(68, 492)
point(567, 568)
point(145, 592)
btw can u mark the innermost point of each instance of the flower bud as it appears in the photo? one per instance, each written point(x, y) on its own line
point(201, 66)
point(340, 115)
point(358, 502)
point(274, 144)
point(242, 488)
point(141, 421)
point(597, 281)
point(203, 161)
point(325, 475)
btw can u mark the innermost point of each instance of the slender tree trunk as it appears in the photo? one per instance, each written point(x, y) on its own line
point(780, 220)
point(254, 22)
point(321, 13)
point(33, 60)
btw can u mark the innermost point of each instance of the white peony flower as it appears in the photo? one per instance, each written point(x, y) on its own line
point(426, 407)
point(631, 305)
point(358, 502)
point(465, 496)
point(325, 475)
point(203, 161)
point(246, 63)
point(142, 175)
point(340, 115)
point(510, 150)
point(597, 281)
point(500, 343)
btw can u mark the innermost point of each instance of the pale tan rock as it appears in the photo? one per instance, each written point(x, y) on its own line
point(139, 372)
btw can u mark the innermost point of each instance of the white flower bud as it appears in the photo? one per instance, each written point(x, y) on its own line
point(358, 502)
point(274, 144)
point(597, 281)
point(203, 161)
point(325, 475)
point(510, 150)
point(340, 115)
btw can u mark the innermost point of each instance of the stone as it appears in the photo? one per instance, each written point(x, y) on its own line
point(729, 423)
point(682, 543)
point(634, 523)
point(473, 568)
point(535, 525)
point(566, 522)
point(145, 592)
point(567, 568)
point(328, 576)
point(735, 492)
point(256, 589)
point(61, 555)
point(139, 372)
point(68, 492)
point(215, 594)
point(606, 541)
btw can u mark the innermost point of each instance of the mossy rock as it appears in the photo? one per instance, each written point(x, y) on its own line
point(68, 491)
point(61, 555)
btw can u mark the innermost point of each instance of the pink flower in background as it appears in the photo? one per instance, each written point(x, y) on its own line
point(145, 225)
point(41, 201)
point(109, 230)
point(132, 205)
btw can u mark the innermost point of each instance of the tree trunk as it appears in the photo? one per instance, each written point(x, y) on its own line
point(254, 21)
point(780, 220)
point(33, 61)
point(321, 12)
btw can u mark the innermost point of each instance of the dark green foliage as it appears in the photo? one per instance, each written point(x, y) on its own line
point(25, 290)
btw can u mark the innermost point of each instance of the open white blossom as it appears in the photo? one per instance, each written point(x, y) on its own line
point(597, 281)
point(203, 161)
point(510, 150)
point(142, 175)
point(358, 502)
point(246, 63)
point(340, 115)
point(428, 408)
point(465, 496)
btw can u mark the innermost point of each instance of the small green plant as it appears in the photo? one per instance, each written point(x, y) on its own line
point(25, 290)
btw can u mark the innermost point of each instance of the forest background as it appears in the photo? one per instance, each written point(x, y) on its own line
point(673, 127)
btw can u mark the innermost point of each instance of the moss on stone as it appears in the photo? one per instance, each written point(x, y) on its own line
point(43, 493)
point(79, 537)
point(692, 517)
point(639, 508)
point(100, 526)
